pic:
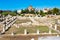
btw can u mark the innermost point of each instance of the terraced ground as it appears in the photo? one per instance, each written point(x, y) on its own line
point(30, 29)
point(20, 30)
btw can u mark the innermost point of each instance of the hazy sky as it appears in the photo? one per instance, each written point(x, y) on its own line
point(21, 4)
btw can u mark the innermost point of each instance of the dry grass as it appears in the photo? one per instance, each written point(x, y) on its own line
point(20, 30)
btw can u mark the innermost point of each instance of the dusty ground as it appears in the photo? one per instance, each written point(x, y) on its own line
point(24, 37)
point(18, 37)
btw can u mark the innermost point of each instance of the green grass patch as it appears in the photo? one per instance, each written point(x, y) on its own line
point(42, 29)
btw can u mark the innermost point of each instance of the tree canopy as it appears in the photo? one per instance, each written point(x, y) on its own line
point(26, 11)
point(55, 11)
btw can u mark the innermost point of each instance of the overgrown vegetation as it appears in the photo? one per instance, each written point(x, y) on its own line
point(26, 11)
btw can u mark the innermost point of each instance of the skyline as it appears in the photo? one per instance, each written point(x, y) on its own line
point(22, 4)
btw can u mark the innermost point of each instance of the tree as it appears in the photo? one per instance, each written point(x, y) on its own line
point(5, 13)
point(15, 11)
point(24, 11)
point(27, 11)
point(1, 11)
point(42, 13)
point(55, 11)
point(21, 11)
point(12, 13)
point(49, 12)
point(32, 12)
